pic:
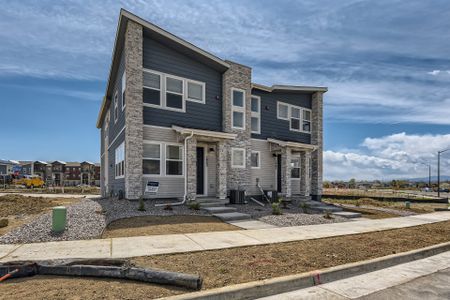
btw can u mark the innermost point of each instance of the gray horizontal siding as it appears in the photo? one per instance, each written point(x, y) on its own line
point(161, 134)
point(207, 116)
point(271, 126)
point(115, 184)
point(116, 127)
point(267, 172)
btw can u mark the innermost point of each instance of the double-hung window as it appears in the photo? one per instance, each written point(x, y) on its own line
point(195, 91)
point(283, 111)
point(237, 158)
point(116, 107)
point(295, 118)
point(174, 160)
point(174, 93)
point(306, 121)
point(255, 160)
point(295, 168)
point(124, 86)
point(152, 88)
point(152, 159)
point(238, 108)
point(256, 114)
point(119, 169)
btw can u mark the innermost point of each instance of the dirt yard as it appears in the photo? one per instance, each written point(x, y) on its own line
point(19, 209)
point(371, 213)
point(231, 266)
point(154, 225)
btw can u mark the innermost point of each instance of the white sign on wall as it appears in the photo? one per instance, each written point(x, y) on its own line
point(152, 187)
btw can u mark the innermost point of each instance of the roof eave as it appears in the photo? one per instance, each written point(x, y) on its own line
point(291, 88)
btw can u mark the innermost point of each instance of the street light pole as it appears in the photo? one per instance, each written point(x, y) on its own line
point(439, 171)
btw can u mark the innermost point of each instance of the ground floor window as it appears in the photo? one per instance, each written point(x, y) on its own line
point(174, 160)
point(255, 159)
point(152, 159)
point(120, 161)
point(238, 158)
point(295, 167)
point(162, 159)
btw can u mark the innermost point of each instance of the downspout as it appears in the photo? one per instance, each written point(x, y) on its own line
point(185, 175)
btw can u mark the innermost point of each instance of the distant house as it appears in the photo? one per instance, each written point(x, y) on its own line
point(194, 125)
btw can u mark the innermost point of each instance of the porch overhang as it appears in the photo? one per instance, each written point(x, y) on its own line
point(294, 145)
point(208, 134)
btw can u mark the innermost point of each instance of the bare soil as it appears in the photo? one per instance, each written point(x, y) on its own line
point(371, 213)
point(156, 225)
point(237, 265)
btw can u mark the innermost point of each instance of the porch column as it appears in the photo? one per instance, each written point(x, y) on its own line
point(317, 139)
point(221, 161)
point(303, 172)
point(286, 171)
point(191, 172)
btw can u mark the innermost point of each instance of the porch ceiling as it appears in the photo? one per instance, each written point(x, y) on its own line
point(205, 135)
point(294, 145)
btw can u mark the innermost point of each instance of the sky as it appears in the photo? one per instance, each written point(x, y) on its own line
point(386, 64)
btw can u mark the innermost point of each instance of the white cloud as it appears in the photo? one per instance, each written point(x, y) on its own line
point(393, 156)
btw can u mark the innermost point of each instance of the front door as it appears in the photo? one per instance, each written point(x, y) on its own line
point(200, 171)
point(279, 173)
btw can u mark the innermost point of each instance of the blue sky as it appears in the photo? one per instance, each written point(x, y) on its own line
point(386, 64)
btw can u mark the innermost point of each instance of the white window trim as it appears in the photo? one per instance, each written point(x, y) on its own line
point(116, 106)
point(166, 159)
point(122, 145)
point(124, 86)
point(238, 109)
point(290, 106)
point(232, 158)
point(299, 168)
point(310, 121)
point(163, 91)
point(152, 158)
point(203, 91)
point(256, 115)
point(163, 159)
point(259, 160)
point(278, 111)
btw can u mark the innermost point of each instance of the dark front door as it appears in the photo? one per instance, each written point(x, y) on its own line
point(279, 173)
point(200, 170)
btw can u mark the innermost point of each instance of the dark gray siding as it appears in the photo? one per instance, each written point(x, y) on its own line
point(116, 127)
point(115, 184)
point(207, 116)
point(271, 126)
point(2, 169)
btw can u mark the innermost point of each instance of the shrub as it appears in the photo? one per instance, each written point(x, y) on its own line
point(357, 203)
point(194, 205)
point(327, 215)
point(141, 204)
point(304, 207)
point(276, 210)
point(3, 223)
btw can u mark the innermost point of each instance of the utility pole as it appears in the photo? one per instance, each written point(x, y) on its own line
point(439, 171)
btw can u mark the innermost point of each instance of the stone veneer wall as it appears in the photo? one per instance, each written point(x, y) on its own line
point(191, 171)
point(237, 76)
point(317, 139)
point(133, 111)
point(221, 169)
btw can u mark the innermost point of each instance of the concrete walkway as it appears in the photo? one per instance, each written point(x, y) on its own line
point(421, 279)
point(175, 243)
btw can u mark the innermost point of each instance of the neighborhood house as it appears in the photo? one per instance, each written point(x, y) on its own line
point(179, 122)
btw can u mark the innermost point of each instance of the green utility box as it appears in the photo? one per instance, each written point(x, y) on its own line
point(59, 218)
point(408, 204)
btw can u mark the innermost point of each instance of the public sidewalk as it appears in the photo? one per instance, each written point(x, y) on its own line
point(176, 243)
point(421, 279)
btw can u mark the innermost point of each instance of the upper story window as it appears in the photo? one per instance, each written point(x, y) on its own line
point(124, 85)
point(238, 108)
point(299, 117)
point(119, 169)
point(256, 114)
point(238, 158)
point(116, 107)
point(171, 92)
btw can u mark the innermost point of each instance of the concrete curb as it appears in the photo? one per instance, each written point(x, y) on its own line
point(268, 287)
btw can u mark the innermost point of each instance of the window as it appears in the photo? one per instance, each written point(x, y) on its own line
point(151, 159)
point(174, 160)
point(238, 108)
point(195, 91)
point(295, 118)
point(116, 107)
point(295, 168)
point(174, 93)
point(306, 121)
point(152, 88)
point(256, 114)
point(120, 161)
point(283, 111)
point(238, 158)
point(124, 85)
point(255, 160)
point(171, 92)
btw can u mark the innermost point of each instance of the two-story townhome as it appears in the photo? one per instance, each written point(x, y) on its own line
point(194, 125)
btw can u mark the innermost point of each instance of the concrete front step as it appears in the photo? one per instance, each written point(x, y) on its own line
point(210, 199)
point(213, 204)
point(347, 214)
point(219, 209)
point(232, 216)
point(324, 208)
